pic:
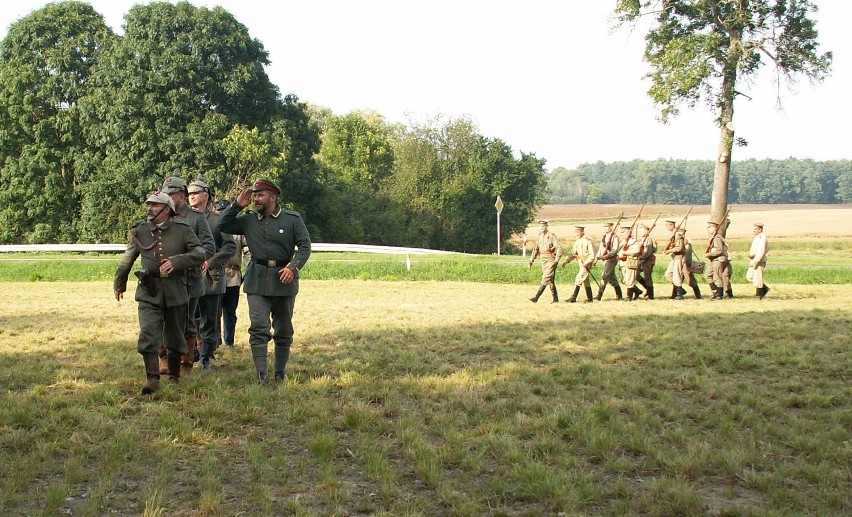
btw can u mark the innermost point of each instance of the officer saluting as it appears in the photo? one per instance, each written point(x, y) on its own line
point(280, 246)
point(168, 248)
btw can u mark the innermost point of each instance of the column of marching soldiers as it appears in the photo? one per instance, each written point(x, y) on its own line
point(629, 249)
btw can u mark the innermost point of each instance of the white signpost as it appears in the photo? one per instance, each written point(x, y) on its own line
point(499, 206)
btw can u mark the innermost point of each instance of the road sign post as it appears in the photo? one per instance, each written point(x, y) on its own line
point(499, 206)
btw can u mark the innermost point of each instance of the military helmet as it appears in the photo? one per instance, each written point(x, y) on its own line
point(161, 198)
point(198, 185)
point(174, 184)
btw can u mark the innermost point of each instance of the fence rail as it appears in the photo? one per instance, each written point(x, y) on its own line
point(316, 246)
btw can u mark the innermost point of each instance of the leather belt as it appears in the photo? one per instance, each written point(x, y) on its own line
point(271, 262)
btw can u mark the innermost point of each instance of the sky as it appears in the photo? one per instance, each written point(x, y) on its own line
point(547, 77)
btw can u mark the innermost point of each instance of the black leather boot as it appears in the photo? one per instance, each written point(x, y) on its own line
point(697, 291)
point(535, 298)
point(674, 292)
point(152, 373)
point(553, 293)
point(589, 298)
point(574, 296)
point(600, 292)
point(618, 295)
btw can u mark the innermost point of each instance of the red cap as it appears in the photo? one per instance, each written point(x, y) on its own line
point(265, 184)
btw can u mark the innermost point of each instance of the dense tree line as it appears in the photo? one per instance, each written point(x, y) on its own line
point(91, 121)
point(688, 182)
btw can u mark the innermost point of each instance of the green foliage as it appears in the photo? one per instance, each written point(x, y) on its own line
point(689, 182)
point(46, 61)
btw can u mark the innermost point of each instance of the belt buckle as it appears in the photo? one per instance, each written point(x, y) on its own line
point(163, 274)
point(270, 263)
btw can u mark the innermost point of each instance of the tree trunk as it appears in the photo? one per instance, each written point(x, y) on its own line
point(722, 172)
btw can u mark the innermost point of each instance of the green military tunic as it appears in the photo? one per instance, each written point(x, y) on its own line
point(162, 310)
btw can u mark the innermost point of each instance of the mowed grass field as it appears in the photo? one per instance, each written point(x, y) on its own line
point(439, 398)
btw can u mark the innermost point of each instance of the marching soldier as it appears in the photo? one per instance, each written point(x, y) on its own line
point(608, 253)
point(548, 247)
point(213, 271)
point(176, 188)
point(628, 254)
point(676, 249)
point(584, 252)
point(689, 270)
point(647, 260)
point(757, 261)
point(168, 248)
point(717, 253)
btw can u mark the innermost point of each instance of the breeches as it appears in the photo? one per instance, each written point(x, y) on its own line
point(277, 308)
point(582, 277)
point(608, 273)
point(191, 327)
point(675, 271)
point(548, 271)
point(719, 274)
point(161, 325)
point(628, 276)
point(208, 310)
point(646, 269)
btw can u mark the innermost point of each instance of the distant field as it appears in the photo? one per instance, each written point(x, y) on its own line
point(782, 221)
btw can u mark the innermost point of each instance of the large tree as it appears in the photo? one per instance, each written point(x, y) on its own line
point(45, 64)
point(702, 49)
point(163, 98)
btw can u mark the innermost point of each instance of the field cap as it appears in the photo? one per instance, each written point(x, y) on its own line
point(670, 221)
point(223, 204)
point(198, 186)
point(161, 198)
point(577, 226)
point(759, 225)
point(712, 223)
point(644, 226)
point(626, 227)
point(266, 184)
point(608, 225)
point(543, 222)
point(173, 184)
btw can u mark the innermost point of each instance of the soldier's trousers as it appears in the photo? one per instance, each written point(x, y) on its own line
point(582, 277)
point(608, 273)
point(548, 271)
point(646, 273)
point(208, 310)
point(674, 273)
point(280, 310)
point(159, 324)
point(629, 277)
point(719, 274)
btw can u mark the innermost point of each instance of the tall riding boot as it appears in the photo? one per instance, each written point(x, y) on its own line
point(574, 296)
point(261, 362)
point(629, 294)
point(554, 293)
point(164, 363)
point(173, 360)
point(282, 355)
point(152, 373)
point(674, 292)
point(541, 288)
point(589, 298)
point(600, 292)
point(718, 294)
point(638, 292)
point(697, 291)
point(763, 291)
point(189, 357)
point(729, 293)
point(618, 295)
point(678, 292)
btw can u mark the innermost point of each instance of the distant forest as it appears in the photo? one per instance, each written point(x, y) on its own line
point(688, 182)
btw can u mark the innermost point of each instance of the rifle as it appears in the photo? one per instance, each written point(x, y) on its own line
point(608, 247)
point(716, 231)
point(682, 222)
point(651, 229)
point(630, 231)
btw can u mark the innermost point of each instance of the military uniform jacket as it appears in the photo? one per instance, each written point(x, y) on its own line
point(174, 240)
point(647, 250)
point(275, 241)
point(584, 251)
point(718, 249)
point(609, 242)
point(629, 253)
point(198, 223)
point(548, 246)
point(226, 247)
point(677, 247)
point(757, 252)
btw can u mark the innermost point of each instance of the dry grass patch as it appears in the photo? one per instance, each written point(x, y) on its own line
point(437, 398)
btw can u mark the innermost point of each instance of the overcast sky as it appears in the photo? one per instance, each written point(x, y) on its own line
point(546, 77)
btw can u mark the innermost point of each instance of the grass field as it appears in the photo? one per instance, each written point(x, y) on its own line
point(448, 393)
point(437, 398)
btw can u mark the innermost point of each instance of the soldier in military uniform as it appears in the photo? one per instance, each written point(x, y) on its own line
point(628, 254)
point(718, 275)
point(233, 282)
point(584, 252)
point(757, 261)
point(548, 247)
point(689, 265)
point(280, 246)
point(608, 253)
point(168, 248)
point(647, 260)
point(212, 271)
point(676, 249)
point(176, 187)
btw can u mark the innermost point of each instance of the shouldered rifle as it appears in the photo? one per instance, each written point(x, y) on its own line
point(651, 229)
point(716, 231)
point(682, 222)
point(608, 247)
point(630, 231)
